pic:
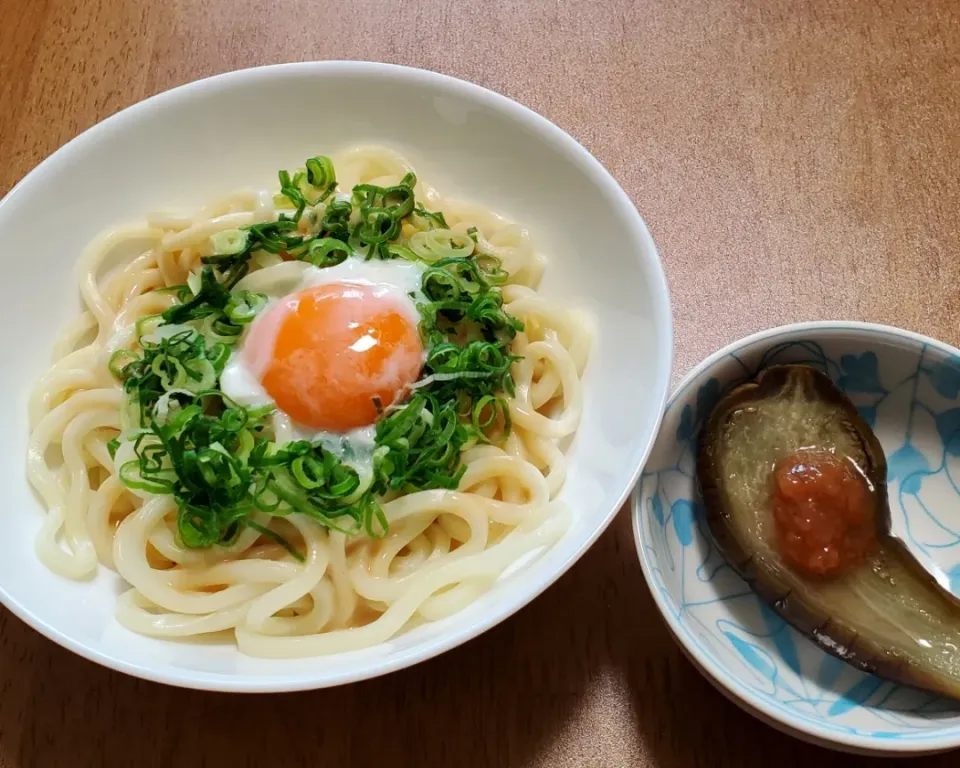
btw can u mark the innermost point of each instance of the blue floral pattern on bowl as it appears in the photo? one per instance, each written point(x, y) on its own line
point(908, 389)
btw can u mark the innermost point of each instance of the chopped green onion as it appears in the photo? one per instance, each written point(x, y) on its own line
point(377, 225)
point(436, 244)
point(327, 252)
point(229, 242)
point(119, 360)
point(396, 251)
point(276, 537)
point(292, 193)
point(243, 306)
point(147, 325)
point(320, 172)
point(336, 220)
point(433, 220)
point(399, 199)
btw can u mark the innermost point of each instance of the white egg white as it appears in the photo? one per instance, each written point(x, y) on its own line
point(400, 280)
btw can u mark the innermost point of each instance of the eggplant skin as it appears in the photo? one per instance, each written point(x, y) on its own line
point(769, 580)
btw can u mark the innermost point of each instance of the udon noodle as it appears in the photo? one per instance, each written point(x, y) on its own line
point(442, 549)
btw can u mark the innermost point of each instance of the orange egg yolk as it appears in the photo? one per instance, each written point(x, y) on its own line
point(332, 356)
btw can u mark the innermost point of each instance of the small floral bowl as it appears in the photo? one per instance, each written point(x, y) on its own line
point(907, 387)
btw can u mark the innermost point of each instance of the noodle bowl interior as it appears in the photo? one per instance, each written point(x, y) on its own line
point(311, 417)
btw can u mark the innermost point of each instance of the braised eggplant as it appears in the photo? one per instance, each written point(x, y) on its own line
point(856, 591)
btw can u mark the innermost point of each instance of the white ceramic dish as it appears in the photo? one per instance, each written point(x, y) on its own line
point(183, 147)
point(908, 387)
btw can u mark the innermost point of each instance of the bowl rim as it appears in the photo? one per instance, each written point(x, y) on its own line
point(730, 686)
point(647, 257)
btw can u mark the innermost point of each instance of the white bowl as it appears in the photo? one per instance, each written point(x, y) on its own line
point(908, 387)
point(187, 145)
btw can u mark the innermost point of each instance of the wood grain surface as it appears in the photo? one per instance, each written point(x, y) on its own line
point(795, 160)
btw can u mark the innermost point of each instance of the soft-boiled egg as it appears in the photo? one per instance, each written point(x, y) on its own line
point(331, 349)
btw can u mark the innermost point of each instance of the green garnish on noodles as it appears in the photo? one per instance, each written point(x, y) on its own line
point(185, 438)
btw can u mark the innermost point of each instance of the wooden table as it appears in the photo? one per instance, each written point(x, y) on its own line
point(808, 148)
